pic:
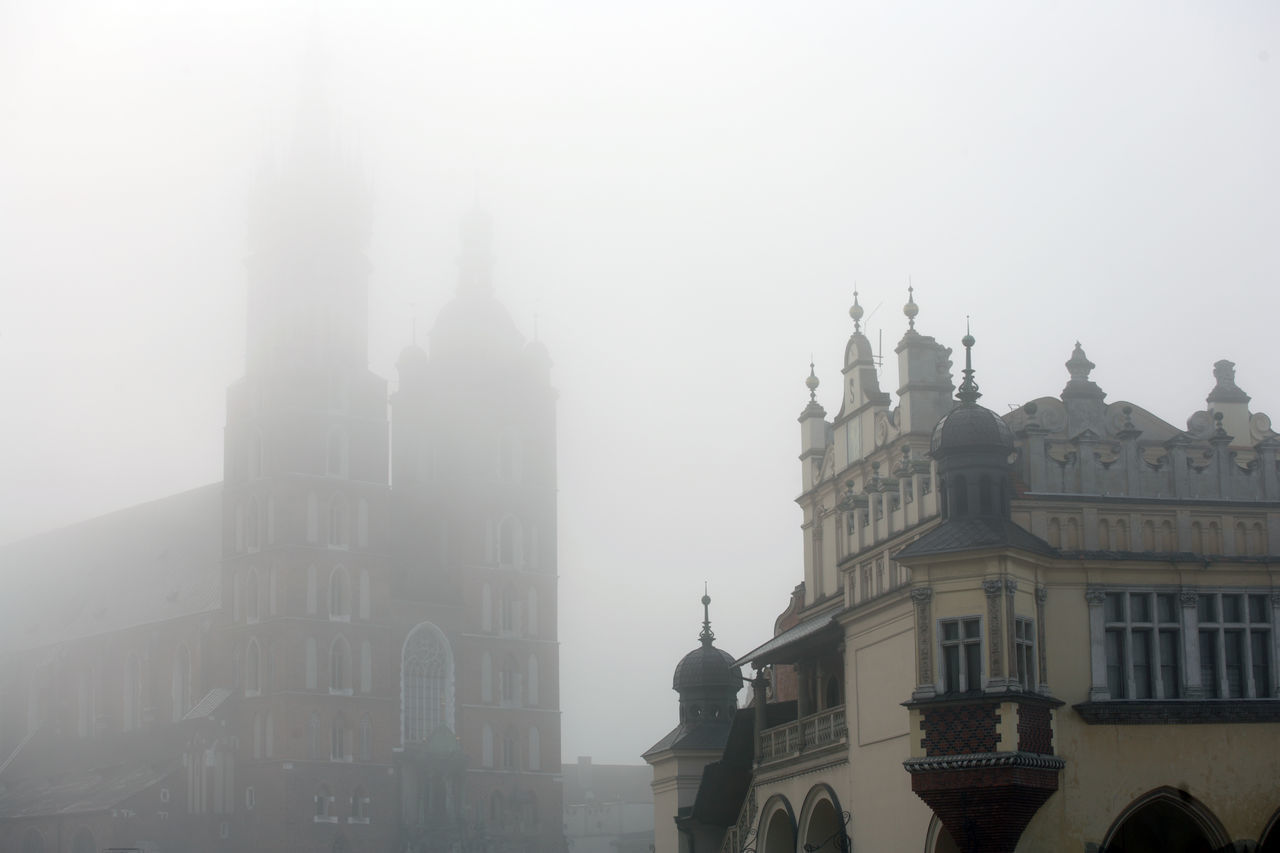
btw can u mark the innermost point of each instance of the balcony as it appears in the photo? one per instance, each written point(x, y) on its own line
point(807, 734)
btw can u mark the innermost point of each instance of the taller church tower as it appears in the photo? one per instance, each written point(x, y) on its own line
point(474, 477)
point(314, 652)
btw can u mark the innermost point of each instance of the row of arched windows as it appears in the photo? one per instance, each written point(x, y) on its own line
point(345, 741)
point(133, 694)
point(252, 597)
point(1206, 537)
point(336, 454)
point(506, 614)
point(510, 753)
point(346, 673)
point(337, 522)
point(514, 686)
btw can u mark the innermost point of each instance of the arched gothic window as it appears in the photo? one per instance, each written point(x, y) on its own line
point(426, 683)
point(253, 668)
point(314, 736)
point(251, 595)
point(340, 665)
point(338, 533)
point(339, 594)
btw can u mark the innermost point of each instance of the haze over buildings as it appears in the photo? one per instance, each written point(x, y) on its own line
point(685, 199)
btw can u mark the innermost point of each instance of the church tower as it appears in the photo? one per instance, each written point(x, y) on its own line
point(305, 524)
point(473, 474)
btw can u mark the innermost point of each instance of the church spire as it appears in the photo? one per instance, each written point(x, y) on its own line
point(968, 392)
point(707, 636)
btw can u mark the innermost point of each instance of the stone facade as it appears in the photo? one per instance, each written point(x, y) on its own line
point(1052, 630)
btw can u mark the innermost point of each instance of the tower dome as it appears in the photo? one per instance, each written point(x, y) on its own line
point(974, 448)
point(706, 679)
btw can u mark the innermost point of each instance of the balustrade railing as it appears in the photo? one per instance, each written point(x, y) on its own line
point(812, 732)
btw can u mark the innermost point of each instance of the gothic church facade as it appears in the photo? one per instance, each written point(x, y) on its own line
point(347, 644)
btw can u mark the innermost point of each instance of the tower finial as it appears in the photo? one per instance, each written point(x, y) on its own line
point(911, 309)
point(855, 311)
point(707, 637)
point(812, 383)
point(968, 392)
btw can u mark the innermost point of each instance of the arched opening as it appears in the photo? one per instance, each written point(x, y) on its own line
point(938, 839)
point(251, 597)
point(824, 830)
point(339, 594)
point(1269, 840)
point(780, 831)
point(1166, 820)
point(253, 668)
point(338, 535)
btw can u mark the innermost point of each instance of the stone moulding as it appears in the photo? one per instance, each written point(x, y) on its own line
point(984, 759)
point(1179, 711)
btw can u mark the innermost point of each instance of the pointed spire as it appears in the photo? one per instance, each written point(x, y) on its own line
point(855, 311)
point(475, 267)
point(1079, 365)
point(812, 383)
point(911, 309)
point(706, 636)
point(968, 392)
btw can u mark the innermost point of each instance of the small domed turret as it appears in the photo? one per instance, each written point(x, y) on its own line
point(706, 679)
point(974, 448)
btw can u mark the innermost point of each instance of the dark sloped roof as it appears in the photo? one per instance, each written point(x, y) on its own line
point(969, 534)
point(777, 650)
point(79, 792)
point(706, 666)
point(147, 563)
point(705, 734)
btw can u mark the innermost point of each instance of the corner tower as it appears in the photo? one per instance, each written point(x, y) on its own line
point(474, 474)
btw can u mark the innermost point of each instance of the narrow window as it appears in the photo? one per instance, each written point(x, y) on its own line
point(961, 654)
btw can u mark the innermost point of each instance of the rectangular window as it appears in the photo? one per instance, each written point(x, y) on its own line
point(1235, 645)
point(961, 654)
point(1141, 642)
point(1025, 647)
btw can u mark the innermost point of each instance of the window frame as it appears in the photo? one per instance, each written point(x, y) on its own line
point(966, 682)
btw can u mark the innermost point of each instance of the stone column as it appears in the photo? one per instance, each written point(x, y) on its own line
point(995, 635)
point(1192, 688)
point(926, 686)
point(1010, 628)
point(1042, 654)
point(1098, 690)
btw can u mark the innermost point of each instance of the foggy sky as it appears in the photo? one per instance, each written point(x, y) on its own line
point(685, 196)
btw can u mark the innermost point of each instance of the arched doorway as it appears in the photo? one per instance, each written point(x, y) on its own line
point(1166, 820)
point(779, 827)
point(823, 832)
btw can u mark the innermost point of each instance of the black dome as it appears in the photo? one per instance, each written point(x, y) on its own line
point(706, 667)
point(970, 427)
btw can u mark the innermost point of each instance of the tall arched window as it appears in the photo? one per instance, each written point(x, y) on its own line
point(486, 608)
point(366, 666)
point(531, 605)
point(340, 665)
point(311, 666)
point(251, 595)
point(509, 682)
point(339, 594)
point(253, 668)
point(486, 747)
point(426, 683)
point(251, 525)
point(336, 460)
point(531, 683)
point(364, 594)
point(535, 750)
point(364, 746)
point(338, 738)
point(338, 522)
point(510, 750)
point(181, 687)
point(132, 693)
point(486, 677)
point(314, 736)
point(509, 542)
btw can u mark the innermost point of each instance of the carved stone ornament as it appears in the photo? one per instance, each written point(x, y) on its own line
point(992, 586)
point(921, 594)
point(1011, 585)
point(1095, 597)
point(1188, 597)
point(1042, 594)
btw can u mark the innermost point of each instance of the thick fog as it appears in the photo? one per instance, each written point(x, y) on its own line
point(684, 198)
